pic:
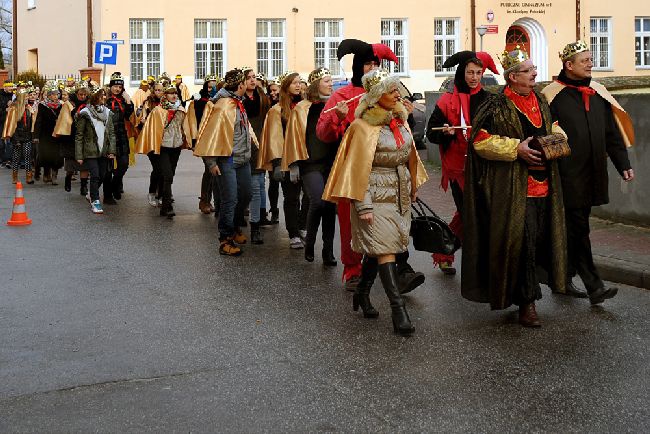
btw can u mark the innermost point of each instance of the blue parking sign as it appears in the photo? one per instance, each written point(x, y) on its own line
point(105, 53)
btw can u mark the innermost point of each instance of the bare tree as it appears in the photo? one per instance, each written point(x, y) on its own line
point(6, 31)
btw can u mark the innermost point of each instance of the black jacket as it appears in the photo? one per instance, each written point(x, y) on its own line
point(5, 97)
point(593, 135)
point(321, 154)
point(121, 112)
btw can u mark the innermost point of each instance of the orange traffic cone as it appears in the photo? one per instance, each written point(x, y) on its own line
point(19, 214)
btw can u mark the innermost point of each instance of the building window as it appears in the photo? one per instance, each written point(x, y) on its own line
point(328, 34)
point(31, 4)
point(271, 43)
point(642, 41)
point(601, 40)
point(394, 34)
point(446, 41)
point(146, 40)
point(209, 48)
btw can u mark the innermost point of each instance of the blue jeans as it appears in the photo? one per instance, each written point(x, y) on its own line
point(235, 195)
point(258, 199)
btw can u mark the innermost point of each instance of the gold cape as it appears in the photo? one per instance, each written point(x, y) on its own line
point(151, 136)
point(11, 121)
point(63, 126)
point(351, 170)
point(295, 144)
point(139, 97)
point(623, 120)
point(191, 117)
point(185, 92)
point(217, 129)
point(272, 143)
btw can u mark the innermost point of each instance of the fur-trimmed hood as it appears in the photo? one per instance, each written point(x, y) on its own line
point(378, 115)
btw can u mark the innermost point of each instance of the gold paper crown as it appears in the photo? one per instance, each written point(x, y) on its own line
point(572, 49)
point(318, 74)
point(245, 68)
point(8, 84)
point(151, 78)
point(70, 78)
point(261, 76)
point(284, 76)
point(178, 76)
point(85, 78)
point(171, 88)
point(211, 77)
point(274, 81)
point(50, 86)
point(116, 76)
point(144, 82)
point(378, 76)
point(234, 77)
point(513, 58)
point(69, 90)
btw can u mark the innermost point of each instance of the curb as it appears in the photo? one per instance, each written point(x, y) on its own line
point(625, 272)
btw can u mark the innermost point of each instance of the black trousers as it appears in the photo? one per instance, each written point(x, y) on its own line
point(113, 181)
point(97, 167)
point(457, 194)
point(319, 209)
point(155, 181)
point(209, 187)
point(581, 260)
point(168, 161)
point(295, 210)
point(274, 192)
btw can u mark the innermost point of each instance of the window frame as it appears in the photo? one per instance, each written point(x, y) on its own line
point(446, 72)
point(641, 34)
point(223, 40)
point(390, 41)
point(270, 40)
point(599, 34)
point(31, 4)
point(327, 40)
point(134, 82)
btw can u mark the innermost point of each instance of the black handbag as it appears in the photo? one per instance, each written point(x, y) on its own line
point(431, 233)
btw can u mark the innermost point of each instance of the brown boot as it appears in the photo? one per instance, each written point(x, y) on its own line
point(14, 176)
point(30, 177)
point(528, 316)
point(204, 206)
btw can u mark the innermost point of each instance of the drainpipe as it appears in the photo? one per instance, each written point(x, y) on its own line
point(577, 19)
point(89, 25)
point(14, 39)
point(473, 24)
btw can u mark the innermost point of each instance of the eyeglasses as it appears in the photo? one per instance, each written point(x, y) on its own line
point(526, 71)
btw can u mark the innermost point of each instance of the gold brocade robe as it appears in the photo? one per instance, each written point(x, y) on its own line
point(295, 142)
point(154, 127)
point(63, 126)
point(350, 173)
point(623, 120)
point(272, 142)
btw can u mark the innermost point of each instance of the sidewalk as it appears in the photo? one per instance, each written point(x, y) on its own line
point(621, 252)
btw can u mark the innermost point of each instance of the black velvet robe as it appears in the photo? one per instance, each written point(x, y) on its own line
point(495, 210)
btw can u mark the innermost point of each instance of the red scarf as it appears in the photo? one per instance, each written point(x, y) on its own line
point(25, 118)
point(170, 116)
point(241, 108)
point(53, 105)
point(394, 127)
point(528, 105)
point(119, 104)
point(586, 92)
point(81, 107)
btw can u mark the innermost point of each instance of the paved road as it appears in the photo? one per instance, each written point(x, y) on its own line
point(129, 322)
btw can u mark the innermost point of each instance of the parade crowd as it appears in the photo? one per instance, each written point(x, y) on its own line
point(524, 167)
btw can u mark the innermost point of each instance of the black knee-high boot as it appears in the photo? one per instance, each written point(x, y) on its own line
point(68, 182)
point(409, 279)
point(361, 297)
point(401, 321)
point(83, 190)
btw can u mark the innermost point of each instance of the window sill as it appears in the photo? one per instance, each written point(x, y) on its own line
point(642, 68)
point(603, 69)
point(31, 9)
point(444, 74)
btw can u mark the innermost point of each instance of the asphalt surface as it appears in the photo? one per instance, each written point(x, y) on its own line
point(128, 322)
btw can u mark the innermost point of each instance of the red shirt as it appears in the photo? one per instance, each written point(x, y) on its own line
point(329, 128)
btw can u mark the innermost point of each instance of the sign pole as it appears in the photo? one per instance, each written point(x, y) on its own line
point(104, 76)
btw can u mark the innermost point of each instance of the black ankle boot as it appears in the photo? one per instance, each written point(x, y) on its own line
point(361, 297)
point(309, 252)
point(401, 321)
point(328, 256)
point(256, 235)
point(264, 221)
point(275, 216)
point(67, 185)
point(83, 190)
